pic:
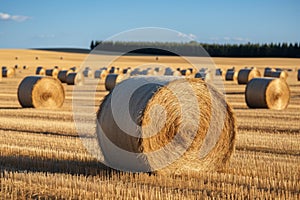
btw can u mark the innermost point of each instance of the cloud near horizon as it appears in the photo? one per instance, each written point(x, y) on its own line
point(188, 36)
point(17, 18)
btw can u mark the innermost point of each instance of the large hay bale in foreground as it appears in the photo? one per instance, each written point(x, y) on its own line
point(74, 78)
point(52, 72)
point(62, 75)
point(245, 75)
point(8, 72)
point(41, 92)
point(231, 75)
point(112, 80)
point(40, 71)
point(272, 93)
point(185, 139)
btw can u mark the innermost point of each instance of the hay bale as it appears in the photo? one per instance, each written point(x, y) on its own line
point(200, 75)
point(74, 78)
point(245, 75)
point(73, 69)
point(181, 139)
point(16, 66)
point(231, 75)
point(88, 73)
point(169, 71)
point(8, 72)
point(126, 70)
point(185, 72)
point(268, 71)
point(62, 75)
point(219, 72)
point(101, 74)
point(41, 92)
point(272, 93)
point(40, 71)
point(25, 67)
point(113, 70)
point(52, 72)
point(135, 72)
point(112, 80)
point(278, 74)
point(298, 74)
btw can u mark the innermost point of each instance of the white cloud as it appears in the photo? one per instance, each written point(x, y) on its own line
point(188, 36)
point(18, 18)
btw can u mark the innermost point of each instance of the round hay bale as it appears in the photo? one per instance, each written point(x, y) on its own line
point(25, 67)
point(176, 73)
point(112, 80)
point(169, 71)
point(88, 73)
point(74, 78)
point(126, 71)
point(231, 75)
point(272, 93)
point(101, 74)
point(62, 75)
point(268, 71)
point(173, 129)
point(52, 72)
point(278, 74)
point(185, 72)
point(8, 72)
point(298, 74)
point(73, 69)
point(41, 92)
point(200, 75)
point(40, 71)
point(135, 72)
point(219, 72)
point(245, 75)
point(113, 70)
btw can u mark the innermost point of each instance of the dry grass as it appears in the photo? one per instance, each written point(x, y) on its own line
point(41, 155)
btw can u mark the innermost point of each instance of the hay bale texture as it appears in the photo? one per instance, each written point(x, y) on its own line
point(74, 78)
point(62, 75)
point(278, 74)
point(52, 72)
point(101, 74)
point(40, 71)
point(268, 71)
point(173, 95)
point(231, 75)
point(8, 72)
point(272, 93)
point(41, 92)
point(112, 80)
point(245, 75)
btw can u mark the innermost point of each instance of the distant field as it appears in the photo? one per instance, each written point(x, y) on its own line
point(41, 155)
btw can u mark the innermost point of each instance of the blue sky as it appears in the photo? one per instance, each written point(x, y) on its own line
point(63, 23)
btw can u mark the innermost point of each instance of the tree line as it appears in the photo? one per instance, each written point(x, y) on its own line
point(193, 48)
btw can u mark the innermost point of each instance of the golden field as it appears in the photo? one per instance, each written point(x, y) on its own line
point(42, 157)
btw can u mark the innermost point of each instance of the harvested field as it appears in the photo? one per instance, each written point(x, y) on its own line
point(42, 156)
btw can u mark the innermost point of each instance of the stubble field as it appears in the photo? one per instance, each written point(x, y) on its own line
point(42, 157)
